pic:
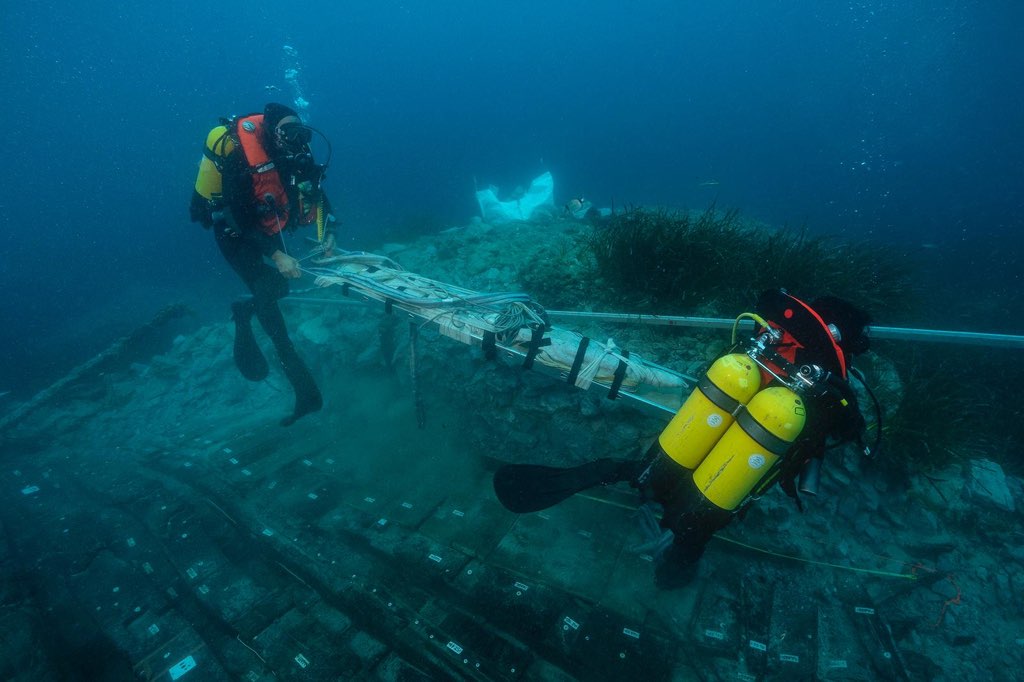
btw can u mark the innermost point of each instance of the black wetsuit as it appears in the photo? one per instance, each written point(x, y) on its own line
point(246, 247)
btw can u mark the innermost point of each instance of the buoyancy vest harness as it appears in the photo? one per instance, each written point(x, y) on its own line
point(268, 192)
point(805, 336)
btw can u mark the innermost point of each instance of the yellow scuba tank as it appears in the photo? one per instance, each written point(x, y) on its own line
point(764, 431)
point(708, 413)
point(209, 181)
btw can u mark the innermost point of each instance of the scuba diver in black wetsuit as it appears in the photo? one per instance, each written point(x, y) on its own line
point(765, 412)
point(258, 178)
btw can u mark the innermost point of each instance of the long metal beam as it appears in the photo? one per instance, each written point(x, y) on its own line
point(650, 398)
point(882, 333)
point(991, 340)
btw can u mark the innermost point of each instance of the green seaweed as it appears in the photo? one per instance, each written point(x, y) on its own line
point(949, 405)
point(945, 414)
point(676, 261)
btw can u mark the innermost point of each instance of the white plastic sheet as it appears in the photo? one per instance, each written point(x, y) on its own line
point(537, 199)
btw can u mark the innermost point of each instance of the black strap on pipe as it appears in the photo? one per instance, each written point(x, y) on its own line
point(581, 353)
point(537, 341)
point(620, 374)
point(489, 345)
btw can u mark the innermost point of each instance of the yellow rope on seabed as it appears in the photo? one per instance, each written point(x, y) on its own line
point(887, 574)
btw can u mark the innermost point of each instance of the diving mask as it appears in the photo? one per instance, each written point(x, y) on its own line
point(292, 136)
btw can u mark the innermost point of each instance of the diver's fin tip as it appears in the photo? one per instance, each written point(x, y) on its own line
point(523, 488)
point(248, 356)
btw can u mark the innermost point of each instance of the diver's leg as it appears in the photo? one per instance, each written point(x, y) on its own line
point(248, 356)
point(307, 396)
point(657, 475)
point(693, 520)
point(267, 286)
point(247, 263)
point(526, 488)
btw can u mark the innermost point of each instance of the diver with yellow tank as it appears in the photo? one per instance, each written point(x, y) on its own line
point(763, 413)
point(258, 179)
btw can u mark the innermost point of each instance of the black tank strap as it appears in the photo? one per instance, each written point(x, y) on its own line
point(216, 160)
point(720, 398)
point(768, 440)
point(218, 153)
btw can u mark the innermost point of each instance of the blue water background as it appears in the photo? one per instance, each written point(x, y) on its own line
point(899, 121)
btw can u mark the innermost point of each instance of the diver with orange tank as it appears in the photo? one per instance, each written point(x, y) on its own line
point(765, 412)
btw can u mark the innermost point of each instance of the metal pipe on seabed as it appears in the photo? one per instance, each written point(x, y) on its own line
point(880, 333)
point(991, 340)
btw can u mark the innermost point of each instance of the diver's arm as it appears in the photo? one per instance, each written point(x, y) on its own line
point(267, 244)
point(286, 265)
point(272, 247)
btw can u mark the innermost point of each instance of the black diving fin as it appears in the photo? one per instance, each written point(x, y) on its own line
point(248, 356)
point(523, 488)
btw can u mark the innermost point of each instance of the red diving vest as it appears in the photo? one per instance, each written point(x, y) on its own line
point(269, 195)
